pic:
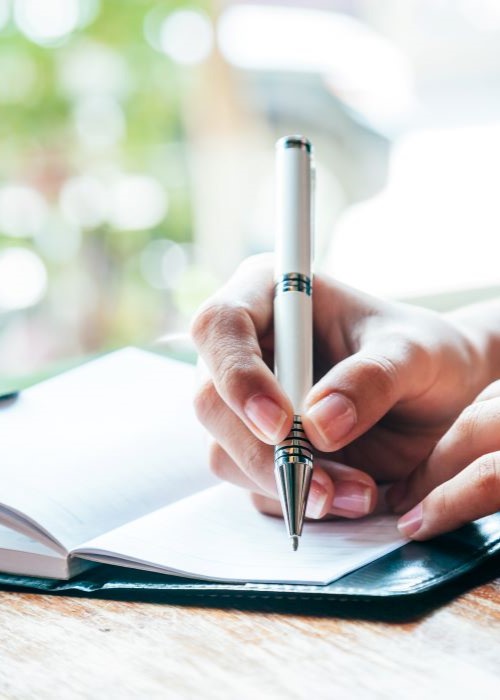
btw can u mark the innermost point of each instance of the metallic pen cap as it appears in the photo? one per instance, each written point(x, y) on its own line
point(293, 467)
point(293, 482)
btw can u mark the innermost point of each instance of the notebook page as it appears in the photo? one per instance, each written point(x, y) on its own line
point(22, 555)
point(218, 535)
point(101, 445)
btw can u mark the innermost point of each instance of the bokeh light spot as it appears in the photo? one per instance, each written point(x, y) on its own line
point(23, 211)
point(23, 279)
point(186, 36)
point(48, 22)
point(138, 202)
point(90, 68)
point(89, 10)
point(163, 263)
point(59, 240)
point(99, 121)
point(83, 201)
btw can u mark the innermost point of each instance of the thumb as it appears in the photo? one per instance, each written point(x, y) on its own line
point(360, 390)
point(471, 494)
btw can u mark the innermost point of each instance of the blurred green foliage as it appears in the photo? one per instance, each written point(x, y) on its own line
point(40, 146)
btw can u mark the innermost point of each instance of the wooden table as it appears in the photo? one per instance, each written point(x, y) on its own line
point(80, 648)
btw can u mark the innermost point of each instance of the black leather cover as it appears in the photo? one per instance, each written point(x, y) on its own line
point(401, 585)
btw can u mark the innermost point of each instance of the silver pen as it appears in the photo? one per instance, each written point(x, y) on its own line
point(293, 322)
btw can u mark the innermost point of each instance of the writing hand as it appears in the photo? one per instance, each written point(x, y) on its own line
point(390, 380)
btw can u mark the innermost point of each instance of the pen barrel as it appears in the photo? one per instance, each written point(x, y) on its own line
point(293, 344)
point(293, 331)
point(293, 206)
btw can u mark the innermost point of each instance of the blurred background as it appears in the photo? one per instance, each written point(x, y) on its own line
point(136, 156)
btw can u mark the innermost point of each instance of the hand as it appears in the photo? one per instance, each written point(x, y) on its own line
point(391, 379)
point(460, 481)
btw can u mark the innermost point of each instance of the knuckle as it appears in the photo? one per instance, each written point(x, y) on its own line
point(487, 476)
point(236, 377)
point(468, 422)
point(206, 320)
point(221, 326)
point(411, 352)
point(380, 373)
point(201, 323)
point(205, 401)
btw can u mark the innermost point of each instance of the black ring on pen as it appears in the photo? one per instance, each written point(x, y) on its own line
point(295, 142)
point(293, 282)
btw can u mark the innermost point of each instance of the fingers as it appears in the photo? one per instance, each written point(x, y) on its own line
point(460, 481)
point(227, 332)
point(243, 460)
point(361, 389)
point(475, 432)
point(271, 506)
point(255, 458)
point(355, 492)
point(224, 468)
point(472, 493)
point(320, 494)
point(346, 499)
point(335, 488)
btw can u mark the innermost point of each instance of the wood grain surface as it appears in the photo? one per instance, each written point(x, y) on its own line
point(56, 647)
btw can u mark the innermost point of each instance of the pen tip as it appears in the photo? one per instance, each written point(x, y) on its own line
point(295, 542)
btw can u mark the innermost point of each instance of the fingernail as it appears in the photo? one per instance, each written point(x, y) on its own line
point(352, 496)
point(411, 522)
point(333, 417)
point(317, 500)
point(266, 416)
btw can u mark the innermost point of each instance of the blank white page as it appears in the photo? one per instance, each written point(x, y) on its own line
point(22, 555)
point(101, 445)
point(218, 535)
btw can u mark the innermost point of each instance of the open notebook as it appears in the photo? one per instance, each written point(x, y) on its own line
point(106, 463)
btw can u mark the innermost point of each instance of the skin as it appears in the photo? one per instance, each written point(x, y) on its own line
point(460, 481)
point(392, 383)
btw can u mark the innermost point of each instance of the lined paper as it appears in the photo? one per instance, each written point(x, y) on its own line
point(218, 535)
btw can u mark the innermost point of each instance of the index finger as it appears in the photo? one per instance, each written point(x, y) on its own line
point(227, 331)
